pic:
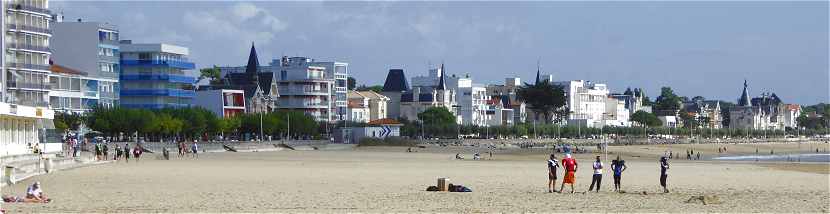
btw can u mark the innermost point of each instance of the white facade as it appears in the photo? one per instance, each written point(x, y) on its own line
point(224, 103)
point(24, 64)
point(507, 92)
point(306, 87)
point(339, 71)
point(375, 106)
point(615, 113)
point(586, 101)
point(791, 113)
point(92, 48)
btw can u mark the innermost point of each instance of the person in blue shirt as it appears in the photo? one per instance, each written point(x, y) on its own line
point(618, 166)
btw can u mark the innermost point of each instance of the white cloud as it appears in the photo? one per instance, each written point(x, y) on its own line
point(244, 11)
point(246, 23)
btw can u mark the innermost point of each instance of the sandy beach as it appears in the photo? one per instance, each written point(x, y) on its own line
point(387, 179)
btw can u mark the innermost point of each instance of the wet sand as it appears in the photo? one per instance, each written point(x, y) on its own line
point(386, 179)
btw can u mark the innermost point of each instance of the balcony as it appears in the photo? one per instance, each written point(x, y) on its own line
point(27, 85)
point(17, 27)
point(31, 103)
point(27, 66)
point(158, 92)
point(30, 47)
point(12, 6)
point(159, 77)
point(159, 63)
point(157, 105)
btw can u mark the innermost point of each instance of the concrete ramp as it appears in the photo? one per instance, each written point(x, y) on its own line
point(282, 145)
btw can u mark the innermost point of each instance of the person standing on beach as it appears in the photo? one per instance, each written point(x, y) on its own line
point(618, 166)
point(597, 179)
point(664, 167)
point(553, 166)
point(195, 149)
point(126, 152)
point(570, 172)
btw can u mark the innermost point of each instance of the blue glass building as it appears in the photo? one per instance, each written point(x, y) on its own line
point(154, 76)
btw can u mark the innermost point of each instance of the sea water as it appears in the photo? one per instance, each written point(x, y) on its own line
point(813, 157)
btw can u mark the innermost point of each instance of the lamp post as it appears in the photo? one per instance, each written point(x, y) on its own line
point(261, 132)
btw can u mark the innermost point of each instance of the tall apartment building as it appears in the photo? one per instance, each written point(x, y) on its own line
point(586, 101)
point(154, 76)
point(307, 86)
point(24, 88)
point(89, 53)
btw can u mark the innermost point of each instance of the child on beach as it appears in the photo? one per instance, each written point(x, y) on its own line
point(553, 166)
point(570, 172)
point(664, 167)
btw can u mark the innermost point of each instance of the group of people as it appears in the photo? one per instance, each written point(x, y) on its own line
point(690, 154)
point(618, 166)
point(194, 149)
point(125, 152)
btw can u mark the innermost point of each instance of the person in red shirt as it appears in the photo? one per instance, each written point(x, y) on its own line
point(570, 172)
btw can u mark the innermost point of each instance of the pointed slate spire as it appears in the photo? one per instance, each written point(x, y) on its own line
point(253, 65)
point(538, 71)
point(744, 100)
point(441, 84)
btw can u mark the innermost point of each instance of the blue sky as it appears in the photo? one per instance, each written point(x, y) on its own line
point(698, 48)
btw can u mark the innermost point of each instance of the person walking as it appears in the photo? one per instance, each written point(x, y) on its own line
point(664, 168)
point(597, 179)
point(570, 166)
point(195, 149)
point(618, 166)
point(553, 166)
point(127, 152)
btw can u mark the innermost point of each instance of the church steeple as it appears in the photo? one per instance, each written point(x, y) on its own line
point(744, 100)
point(538, 72)
point(441, 84)
point(253, 65)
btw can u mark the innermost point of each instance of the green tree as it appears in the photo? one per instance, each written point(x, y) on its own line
point(351, 83)
point(668, 101)
point(645, 119)
point(688, 119)
point(71, 120)
point(375, 88)
point(437, 116)
point(544, 98)
point(212, 74)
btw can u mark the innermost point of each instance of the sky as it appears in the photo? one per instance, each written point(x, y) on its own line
point(705, 48)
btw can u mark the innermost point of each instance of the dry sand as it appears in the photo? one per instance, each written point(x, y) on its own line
point(390, 180)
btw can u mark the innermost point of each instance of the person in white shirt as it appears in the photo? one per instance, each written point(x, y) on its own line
point(35, 194)
point(597, 179)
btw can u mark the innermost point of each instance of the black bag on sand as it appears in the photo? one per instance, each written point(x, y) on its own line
point(432, 188)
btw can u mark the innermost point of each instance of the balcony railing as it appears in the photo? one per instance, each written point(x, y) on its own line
point(27, 66)
point(31, 103)
point(158, 92)
point(13, 6)
point(27, 85)
point(167, 77)
point(25, 46)
point(168, 63)
point(28, 28)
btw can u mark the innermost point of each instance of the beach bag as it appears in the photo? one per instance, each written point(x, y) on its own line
point(432, 188)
